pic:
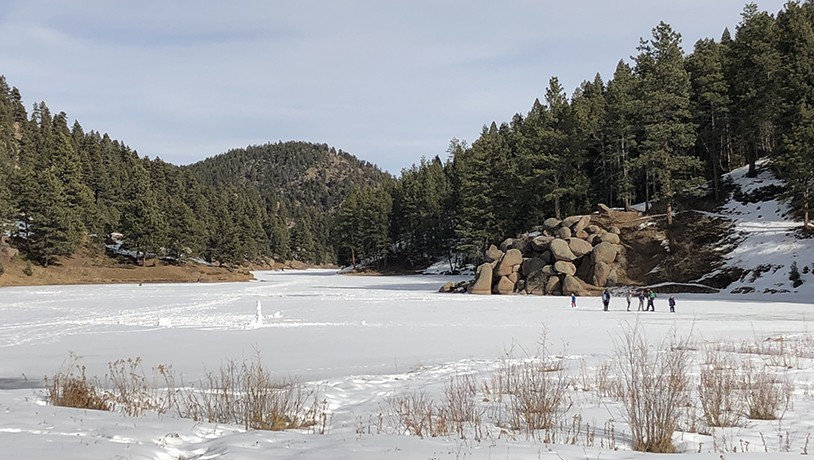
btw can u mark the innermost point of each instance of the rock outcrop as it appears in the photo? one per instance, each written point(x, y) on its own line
point(575, 254)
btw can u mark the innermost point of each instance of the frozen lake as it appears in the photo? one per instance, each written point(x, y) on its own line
point(341, 331)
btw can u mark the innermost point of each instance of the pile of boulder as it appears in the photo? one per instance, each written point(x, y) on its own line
point(572, 255)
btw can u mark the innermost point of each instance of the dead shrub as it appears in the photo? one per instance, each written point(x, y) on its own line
point(537, 388)
point(460, 407)
point(418, 415)
point(457, 412)
point(245, 393)
point(70, 388)
point(655, 386)
point(538, 396)
point(718, 390)
point(240, 393)
point(764, 394)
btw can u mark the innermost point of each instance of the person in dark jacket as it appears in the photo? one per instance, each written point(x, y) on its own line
point(672, 302)
point(606, 299)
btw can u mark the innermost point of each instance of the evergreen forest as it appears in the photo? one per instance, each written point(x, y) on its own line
point(662, 129)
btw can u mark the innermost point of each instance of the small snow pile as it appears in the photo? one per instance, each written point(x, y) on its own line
point(164, 322)
point(771, 254)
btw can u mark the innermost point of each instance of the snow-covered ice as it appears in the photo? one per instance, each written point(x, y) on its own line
point(360, 340)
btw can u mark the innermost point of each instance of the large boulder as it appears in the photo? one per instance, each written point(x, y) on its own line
point(531, 265)
point(551, 223)
point(579, 247)
point(553, 287)
point(582, 224)
point(549, 270)
point(593, 228)
point(584, 269)
point(560, 250)
point(506, 244)
point(504, 286)
point(613, 276)
point(601, 273)
point(572, 284)
point(493, 254)
point(610, 238)
point(570, 221)
point(483, 280)
point(536, 282)
point(564, 233)
point(510, 259)
point(565, 268)
point(514, 276)
point(604, 210)
point(615, 229)
point(605, 253)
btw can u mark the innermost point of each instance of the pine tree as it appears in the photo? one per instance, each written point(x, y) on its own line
point(143, 226)
point(476, 224)
point(667, 130)
point(361, 230)
point(795, 158)
point(620, 132)
point(710, 105)
point(753, 61)
point(50, 231)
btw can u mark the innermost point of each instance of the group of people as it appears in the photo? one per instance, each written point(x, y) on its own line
point(642, 294)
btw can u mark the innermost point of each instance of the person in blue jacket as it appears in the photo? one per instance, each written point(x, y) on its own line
point(606, 299)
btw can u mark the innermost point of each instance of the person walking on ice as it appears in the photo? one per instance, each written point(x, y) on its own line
point(651, 299)
point(627, 297)
point(573, 300)
point(606, 299)
point(672, 302)
point(640, 295)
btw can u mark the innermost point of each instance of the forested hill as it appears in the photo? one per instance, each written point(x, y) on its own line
point(62, 186)
point(302, 173)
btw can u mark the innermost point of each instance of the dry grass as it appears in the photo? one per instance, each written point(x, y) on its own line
point(765, 395)
point(70, 388)
point(245, 393)
point(240, 393)
point(655, 386)
point(457, 411)
point(718, 390)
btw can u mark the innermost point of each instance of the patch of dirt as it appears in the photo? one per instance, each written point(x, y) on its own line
point(642, 238)
point(690, 249)
point(91, 266)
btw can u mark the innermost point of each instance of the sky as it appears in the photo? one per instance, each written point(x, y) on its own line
point(388, 82)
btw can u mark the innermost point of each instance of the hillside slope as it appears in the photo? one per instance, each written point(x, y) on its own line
point(314, 175)
point(770, 244)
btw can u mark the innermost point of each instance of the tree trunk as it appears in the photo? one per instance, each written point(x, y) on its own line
point(646, 191)
point(625, 181)
point(669, 212)
point(751, 158)
point(806, 197)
